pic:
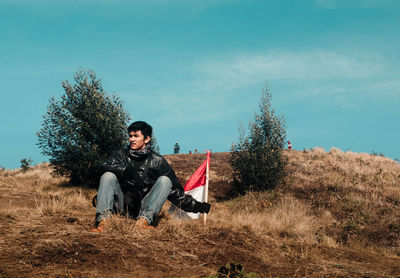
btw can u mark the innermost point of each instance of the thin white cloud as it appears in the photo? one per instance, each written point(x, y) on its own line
point(175, 106)
point(245, 70)
point(325, 77)
point(338, 4)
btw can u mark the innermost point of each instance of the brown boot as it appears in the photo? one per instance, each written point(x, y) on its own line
point(143, 224)
point(101, 226)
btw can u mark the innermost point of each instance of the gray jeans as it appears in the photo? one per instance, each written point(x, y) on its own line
point(110, 196)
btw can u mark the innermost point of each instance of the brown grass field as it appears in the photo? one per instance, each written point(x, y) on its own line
point(336, 215)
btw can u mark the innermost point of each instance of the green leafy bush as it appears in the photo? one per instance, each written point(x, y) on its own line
point(257, 160)
point(82, 128)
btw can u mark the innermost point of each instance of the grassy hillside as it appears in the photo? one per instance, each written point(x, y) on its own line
point(336, 215)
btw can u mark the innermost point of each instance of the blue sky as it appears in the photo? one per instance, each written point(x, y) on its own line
point(195, 69)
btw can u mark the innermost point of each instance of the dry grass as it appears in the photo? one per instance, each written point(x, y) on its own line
point(290, 218)
point(332, 197)
point(51, 206)
point(336, 214)
point(8, 211)
point(360, 191)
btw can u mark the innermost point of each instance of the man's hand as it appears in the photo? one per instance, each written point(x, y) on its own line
point(201, 207)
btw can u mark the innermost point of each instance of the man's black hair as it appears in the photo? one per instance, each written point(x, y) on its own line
point(144, 127)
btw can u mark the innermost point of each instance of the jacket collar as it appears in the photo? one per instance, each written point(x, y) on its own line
point(139, 154)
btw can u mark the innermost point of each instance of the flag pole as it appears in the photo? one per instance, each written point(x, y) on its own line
point(206, 186)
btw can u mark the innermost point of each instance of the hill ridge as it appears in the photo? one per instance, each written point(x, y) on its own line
point(336, 214)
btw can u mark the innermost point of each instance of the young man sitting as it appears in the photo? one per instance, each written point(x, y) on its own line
point(138, 181)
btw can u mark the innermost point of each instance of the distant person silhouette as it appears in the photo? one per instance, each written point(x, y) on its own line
point(195, 151)
point(176, 148)
point(289, 145)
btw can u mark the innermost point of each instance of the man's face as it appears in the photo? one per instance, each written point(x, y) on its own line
point(137, 141)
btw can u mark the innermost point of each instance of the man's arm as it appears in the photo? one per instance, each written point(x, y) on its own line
point(187, 202)
point(114, 163)
point(177, 195)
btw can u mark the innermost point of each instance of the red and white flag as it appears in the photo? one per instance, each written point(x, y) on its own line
point(197, 187)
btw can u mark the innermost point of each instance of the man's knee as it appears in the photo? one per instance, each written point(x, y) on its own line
point(108, 177)
point(165, 181)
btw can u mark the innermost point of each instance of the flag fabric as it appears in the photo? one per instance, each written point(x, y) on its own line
point(196, 188)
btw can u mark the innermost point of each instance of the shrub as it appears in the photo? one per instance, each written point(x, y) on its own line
point(26, 164)
point(82, 128)
point(257, 160)
point(154, 145)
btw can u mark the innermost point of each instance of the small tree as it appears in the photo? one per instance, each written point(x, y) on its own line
point(257, 160)
point(82, 128)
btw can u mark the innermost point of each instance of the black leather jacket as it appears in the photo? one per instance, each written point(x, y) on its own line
point(149, 169)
